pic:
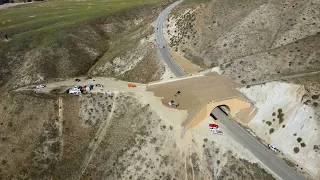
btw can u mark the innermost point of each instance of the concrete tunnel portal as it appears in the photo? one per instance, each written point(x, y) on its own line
point(224, 108)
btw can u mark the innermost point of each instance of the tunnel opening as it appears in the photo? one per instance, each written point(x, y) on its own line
point(222, 108)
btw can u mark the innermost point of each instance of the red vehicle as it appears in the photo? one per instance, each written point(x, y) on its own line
point(214, 126)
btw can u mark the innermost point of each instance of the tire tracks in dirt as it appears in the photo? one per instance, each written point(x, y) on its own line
point(284, 78)
point(188, 158)
point(97, 140)
point(190, 161)
point(59, 124)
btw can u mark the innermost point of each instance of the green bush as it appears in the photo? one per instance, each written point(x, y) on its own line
point(271, 131)
point(299, 139)
point(281, 120)
point(269, 123)
point(280, 116)
point(303, 145)
point(296, 150)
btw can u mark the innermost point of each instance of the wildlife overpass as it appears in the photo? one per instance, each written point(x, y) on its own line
point(200, 95)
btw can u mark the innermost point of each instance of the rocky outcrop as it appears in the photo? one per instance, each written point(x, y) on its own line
point(284, 120)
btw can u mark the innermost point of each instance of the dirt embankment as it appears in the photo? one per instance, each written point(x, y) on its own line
point(100, 137)
point(83, 48)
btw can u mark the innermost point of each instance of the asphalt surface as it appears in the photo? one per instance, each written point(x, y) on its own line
point(164, 51)
point(265, 155)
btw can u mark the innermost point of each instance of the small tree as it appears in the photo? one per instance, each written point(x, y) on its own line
point(271, 131)
point(299, 139)
point(296, 150)
point(303, 145)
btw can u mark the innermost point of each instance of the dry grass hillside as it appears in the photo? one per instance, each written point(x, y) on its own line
point(255, 42)
point(101, 137)
point(43, 49)
point(251, 40)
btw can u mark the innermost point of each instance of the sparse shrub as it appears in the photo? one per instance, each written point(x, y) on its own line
point(281, 120)
point(296, 150)
point(4, 161)
point(271, 131)
point(157, 149)
point(315, 104)
point(315, 97)
point(283, 126)
point(10, 124)
point(153, 140)
point(303, 145)
point(295, 134)
point(274, 113)
point(205, 139)
point(269, 123)
point(218, 161)
point(280, 116)
point(299, 139)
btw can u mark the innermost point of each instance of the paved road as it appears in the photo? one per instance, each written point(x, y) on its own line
point(165, 53)
point(266, 156)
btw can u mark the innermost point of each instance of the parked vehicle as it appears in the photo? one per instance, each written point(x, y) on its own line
point(272, 147)
point(41, 86)
point(74, 91)
point(216, 131)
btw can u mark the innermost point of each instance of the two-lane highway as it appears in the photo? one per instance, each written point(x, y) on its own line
point(267, 157)
point(164, 51)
